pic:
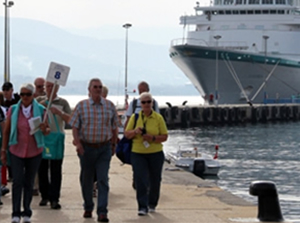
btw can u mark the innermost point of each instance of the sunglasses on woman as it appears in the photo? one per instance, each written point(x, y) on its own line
point(26, 94)
point(144, 102)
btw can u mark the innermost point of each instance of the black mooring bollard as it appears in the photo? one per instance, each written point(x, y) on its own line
point(268, 203)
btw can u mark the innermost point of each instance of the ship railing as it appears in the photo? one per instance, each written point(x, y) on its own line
point(233, 45)
point(189, 41)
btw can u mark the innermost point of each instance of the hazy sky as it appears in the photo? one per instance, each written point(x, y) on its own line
point(95, 13)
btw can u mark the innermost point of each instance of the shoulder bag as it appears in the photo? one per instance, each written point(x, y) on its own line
point(123, 150)
point(54, 144)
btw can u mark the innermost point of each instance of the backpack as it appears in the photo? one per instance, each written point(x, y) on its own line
point(124, 146)
point(134, 103)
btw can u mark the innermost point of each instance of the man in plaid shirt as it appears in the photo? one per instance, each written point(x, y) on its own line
point(95, 132)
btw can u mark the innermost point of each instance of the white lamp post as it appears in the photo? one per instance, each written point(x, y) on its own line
point(265, 37)
point(126, 26)
point(217, 37)
point(6, 40)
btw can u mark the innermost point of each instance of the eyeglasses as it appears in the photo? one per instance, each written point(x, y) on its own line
point(25, 94)
point(95, 86)
point(5, 89)
point(39, 86)
point(144, 102)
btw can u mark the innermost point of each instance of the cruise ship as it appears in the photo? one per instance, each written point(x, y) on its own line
point(242, 51)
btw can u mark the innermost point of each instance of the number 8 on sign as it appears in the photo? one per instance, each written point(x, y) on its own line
point(58, 73)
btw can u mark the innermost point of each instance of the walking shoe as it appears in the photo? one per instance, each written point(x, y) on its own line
point(87, 214)
point(43, 202)
point(151, 209)
point(1, 203)
point(15, 219)
point(142, 212)
point(55, 205)
point(4, 190)
point(26, 219)
point(103, 218)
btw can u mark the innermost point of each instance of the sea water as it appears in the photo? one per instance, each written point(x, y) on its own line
point(250, 153)
point(247, 153)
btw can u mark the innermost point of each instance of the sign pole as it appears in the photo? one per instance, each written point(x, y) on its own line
point(50, 101)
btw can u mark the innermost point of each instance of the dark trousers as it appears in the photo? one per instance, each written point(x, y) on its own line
point(50, 183)
point(95, 160)
point(147, 170)
point(24, 171)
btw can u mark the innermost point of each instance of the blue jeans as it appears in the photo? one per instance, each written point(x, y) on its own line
point(95, 160)
point(147, 169)
point(24, 171)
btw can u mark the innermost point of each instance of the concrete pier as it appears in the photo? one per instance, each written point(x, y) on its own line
point(185, 198)
point(190, 116)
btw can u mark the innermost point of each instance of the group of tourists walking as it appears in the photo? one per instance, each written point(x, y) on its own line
point(32, 132)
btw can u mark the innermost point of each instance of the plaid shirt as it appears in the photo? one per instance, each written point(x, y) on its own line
point(94, 121)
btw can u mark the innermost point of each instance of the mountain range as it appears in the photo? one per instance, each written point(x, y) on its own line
point(98, 52)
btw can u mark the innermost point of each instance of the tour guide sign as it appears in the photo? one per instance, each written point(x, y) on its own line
point(58, 75)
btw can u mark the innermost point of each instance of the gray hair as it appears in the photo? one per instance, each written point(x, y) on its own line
point(92, 80)
point(146, 95)
point(28, 86)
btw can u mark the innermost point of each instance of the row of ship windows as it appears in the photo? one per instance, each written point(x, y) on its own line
point(222, 12)
point(253, 2)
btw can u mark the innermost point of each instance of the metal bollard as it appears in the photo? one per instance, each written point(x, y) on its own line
point(268, 203)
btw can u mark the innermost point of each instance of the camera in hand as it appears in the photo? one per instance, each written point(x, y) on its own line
point(144, 131)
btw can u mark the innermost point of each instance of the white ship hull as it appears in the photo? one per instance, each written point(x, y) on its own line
point(242, 51)
point(251, 71)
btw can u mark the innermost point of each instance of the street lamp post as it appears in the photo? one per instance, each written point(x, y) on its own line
point(126, 26)
point(217, 37)
point(265, 37)
point(6, 41)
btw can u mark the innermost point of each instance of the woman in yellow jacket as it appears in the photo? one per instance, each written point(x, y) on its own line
point(147, 155)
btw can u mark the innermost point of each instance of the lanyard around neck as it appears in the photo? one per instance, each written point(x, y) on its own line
point(144, 122)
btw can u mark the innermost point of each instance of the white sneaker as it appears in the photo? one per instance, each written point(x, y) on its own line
point(15, 219)
point(151, 210)
point(26, 219)
point(142, 212)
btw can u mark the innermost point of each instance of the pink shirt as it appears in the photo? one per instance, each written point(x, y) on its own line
point(26, 147)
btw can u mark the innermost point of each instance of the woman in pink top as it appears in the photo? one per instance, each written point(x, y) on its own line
point(25, 148)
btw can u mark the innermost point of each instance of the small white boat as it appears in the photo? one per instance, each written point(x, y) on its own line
point(199, 163)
